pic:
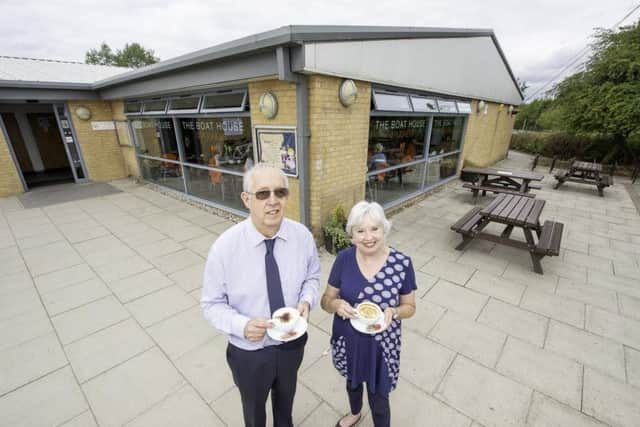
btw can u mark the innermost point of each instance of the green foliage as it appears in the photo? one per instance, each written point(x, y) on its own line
point(133, 55)
point(605, 98)
point(529, 114)
point(564, 146)
point(334, 229)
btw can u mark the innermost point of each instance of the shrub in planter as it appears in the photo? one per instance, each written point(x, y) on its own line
point(335, 236)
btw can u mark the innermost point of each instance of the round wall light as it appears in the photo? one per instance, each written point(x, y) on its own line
point(83, 113)
point(268, 105)
point(348, 92)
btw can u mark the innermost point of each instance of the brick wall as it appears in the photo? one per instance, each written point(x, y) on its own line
point(9, 179)
point(488, 135)
point(124, 137)
point(338, 148)
point(100, 149)
point(285, 93)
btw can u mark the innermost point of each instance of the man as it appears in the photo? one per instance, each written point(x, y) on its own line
point(255, 267)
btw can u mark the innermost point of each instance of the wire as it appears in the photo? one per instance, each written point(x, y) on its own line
point(578, 56)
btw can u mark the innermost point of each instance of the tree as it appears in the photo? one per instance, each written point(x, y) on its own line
point(529, 114)
point(133, 55)
point(604, 98)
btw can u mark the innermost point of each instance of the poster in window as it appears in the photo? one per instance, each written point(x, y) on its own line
point(278, 147)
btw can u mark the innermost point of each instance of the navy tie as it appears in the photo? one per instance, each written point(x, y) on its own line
point(274, 287)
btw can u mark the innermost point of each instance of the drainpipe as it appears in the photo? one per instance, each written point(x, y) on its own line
point(302, 126)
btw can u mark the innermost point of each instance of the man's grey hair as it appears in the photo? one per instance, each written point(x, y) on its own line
point(247, 179)
point(371, 209)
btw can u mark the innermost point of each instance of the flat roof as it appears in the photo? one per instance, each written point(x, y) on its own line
point(83, 76)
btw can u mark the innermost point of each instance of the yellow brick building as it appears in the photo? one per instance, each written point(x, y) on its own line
point(349, 113)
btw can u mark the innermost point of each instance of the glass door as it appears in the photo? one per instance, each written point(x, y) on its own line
point(71, 144)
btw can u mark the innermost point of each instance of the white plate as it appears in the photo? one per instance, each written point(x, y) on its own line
point(300, 329)
point(360, 326)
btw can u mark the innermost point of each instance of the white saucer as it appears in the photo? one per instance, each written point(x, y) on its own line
point(360, 326)
point(300, 329)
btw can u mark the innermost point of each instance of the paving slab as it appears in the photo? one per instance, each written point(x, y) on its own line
point(424, 362)
point(48, 258)
point(609, 400)
point(18, 302)
point(206, 369)
point(554, 306)
point(184, 408)
point(542, 370)
point(457, 298)
point(101, 351)
point(589, 294)
point(190, 278)
point(73, 296)
point(182, 332)
point(40, 402)
point(121, 269)
point(159, 305)
point(83, 420)
point(632, 360)
point(617, 328)
point(448, 270)
point(425, 318)
point(484, 395)
point(474, 340)
point(514, 321)
point(89, 318)
point(16, 282)
point(149, 377)
point(587, 348)
point(59, 279)
point(547, 412)
point(29, 361)
point(24, 327)
point(139, 285)
point(497, 287)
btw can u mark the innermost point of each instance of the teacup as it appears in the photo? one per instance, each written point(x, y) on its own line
point(368, 312)
point(285, 319)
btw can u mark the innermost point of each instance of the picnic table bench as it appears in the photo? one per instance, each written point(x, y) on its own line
point(500, 181)
point(513, 211)
point(584, 173)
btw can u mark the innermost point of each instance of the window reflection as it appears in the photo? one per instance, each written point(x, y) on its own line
point(217, 142)
point(446, 135)
point(395, 140)
point(156, 138)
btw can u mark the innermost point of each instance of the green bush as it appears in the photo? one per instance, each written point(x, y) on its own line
point(335, 236)
point(566, 146)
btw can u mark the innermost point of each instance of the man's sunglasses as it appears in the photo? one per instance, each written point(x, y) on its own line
point(280, 193)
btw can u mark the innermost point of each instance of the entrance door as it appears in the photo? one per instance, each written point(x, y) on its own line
point(71, 145)
point(37, 146)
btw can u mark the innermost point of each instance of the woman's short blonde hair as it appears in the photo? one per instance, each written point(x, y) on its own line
point(371, 209)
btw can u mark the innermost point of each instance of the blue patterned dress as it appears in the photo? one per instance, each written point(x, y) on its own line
point(374, 359)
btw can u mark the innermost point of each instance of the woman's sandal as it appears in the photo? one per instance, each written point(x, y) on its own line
point(351, 425)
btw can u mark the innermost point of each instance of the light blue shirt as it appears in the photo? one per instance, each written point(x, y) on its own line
point(235, 287)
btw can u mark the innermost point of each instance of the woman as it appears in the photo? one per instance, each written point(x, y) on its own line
point(369, 271)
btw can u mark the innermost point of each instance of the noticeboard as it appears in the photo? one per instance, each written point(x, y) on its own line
point(279, 147)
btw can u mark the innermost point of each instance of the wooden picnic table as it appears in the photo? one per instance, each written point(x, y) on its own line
point(513, 211)
point(584, 173)
point(501, 181)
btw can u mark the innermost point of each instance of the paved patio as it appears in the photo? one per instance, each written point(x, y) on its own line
point(100, 323)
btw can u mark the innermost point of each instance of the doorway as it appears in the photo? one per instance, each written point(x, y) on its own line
point(36, 139)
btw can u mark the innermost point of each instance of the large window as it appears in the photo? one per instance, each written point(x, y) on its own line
point(200, 155)
point(446, 135)
point(155, 138)
point(414, 143)
point(395, 140)
point(217, 142)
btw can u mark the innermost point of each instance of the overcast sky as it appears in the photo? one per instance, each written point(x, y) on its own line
point(538, 37)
